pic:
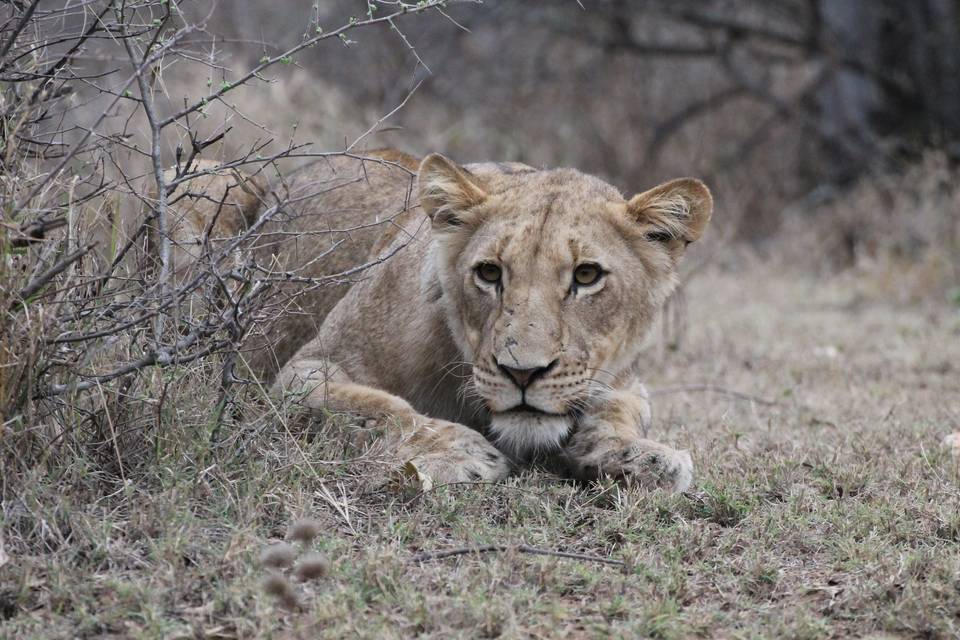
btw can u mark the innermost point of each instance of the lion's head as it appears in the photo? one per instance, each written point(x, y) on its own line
point(550, 280)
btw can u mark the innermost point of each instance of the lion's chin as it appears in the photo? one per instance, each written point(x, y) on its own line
point(524, 434)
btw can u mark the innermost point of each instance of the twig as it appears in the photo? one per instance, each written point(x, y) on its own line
point(386, 117)
point(712, 388)
point(522, 548)
point(41, 280)
point(149, 109)
point(35, 231)
point(413, 50)
point(159, 357)
point(24, 19)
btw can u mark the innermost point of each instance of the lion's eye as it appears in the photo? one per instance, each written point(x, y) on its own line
point(587, 274)
point(659, 236)
point(488, 272)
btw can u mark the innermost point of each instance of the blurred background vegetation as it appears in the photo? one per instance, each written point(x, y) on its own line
point(803, 115)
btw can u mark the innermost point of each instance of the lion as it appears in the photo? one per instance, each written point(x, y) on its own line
point(498, 320)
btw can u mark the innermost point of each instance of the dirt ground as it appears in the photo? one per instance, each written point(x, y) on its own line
point(825, 505)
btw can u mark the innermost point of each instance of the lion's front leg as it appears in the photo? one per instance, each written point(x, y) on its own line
point(446, 452)
point(610, 441)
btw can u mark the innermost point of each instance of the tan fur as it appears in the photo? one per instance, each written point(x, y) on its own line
point(420, 342)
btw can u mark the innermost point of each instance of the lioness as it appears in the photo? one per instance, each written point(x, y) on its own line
point(504, 325)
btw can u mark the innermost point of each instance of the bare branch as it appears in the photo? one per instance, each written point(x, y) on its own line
point(21, 24)
point(156, 131)
point(44, 278)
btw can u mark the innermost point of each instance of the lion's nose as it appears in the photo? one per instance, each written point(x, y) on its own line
point(523, 378)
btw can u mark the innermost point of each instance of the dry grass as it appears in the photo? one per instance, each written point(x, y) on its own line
point(833, 512)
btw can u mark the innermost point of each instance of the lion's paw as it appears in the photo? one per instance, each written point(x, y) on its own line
point(446, 452)
point(646, 463)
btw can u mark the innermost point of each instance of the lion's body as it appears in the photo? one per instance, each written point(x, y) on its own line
point(338, 213)
point(415, 338)
point(339, 210)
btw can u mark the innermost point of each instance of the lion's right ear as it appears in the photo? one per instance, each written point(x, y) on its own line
point(447, 192)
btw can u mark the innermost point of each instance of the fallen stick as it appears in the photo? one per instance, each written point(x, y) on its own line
point(523, 548)
point(714, 389)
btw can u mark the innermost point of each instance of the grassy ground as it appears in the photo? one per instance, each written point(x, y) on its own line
point(831, 511)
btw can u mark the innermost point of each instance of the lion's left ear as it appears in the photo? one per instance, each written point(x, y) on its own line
point(674, 213)
point(447, 192)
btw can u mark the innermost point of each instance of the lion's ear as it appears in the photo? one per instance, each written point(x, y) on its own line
point(447, 191)
point(674, 213)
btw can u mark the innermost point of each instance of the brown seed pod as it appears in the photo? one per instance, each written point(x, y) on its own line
point(278, 556)
point(304, 530)
point(280, 588)
point(312, 566)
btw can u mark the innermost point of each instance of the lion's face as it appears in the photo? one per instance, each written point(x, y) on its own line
point(550, 281)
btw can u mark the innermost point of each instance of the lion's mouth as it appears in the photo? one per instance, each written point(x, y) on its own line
point(526, 408)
